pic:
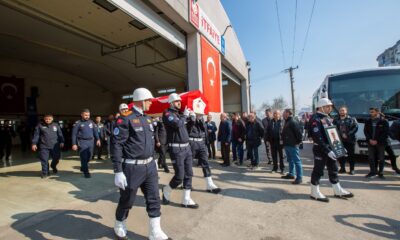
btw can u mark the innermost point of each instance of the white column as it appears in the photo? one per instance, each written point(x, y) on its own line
point(245, 88)
point(194, 61)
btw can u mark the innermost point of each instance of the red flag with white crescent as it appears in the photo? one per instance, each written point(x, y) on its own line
point(211, 72)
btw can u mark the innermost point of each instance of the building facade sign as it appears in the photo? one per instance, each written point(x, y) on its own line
point(201, 21)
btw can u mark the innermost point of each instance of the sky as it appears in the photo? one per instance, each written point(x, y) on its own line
point(344, 35)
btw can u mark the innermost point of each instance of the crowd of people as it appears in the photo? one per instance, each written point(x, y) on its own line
point(131, 139)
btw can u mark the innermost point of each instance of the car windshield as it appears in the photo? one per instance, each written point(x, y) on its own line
point(360, 91)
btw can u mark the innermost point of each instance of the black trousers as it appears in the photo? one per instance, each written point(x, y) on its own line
point(144, 177)
point(5, 146)
point(225, 151)
point(277, 150)
point(321, 160)
point(182, 161)
point(98, 150)
point(85, 152)
point(392, 157)
point(376, 157)
point(350, 156)
point(267, 149)
point(45, 154)
point(199, 152)
point(248, 153)
point(211, 149)
point(162, 154)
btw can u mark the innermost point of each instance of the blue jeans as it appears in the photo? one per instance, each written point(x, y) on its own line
point(293, 158)
point(237, 150)
point(253, 150)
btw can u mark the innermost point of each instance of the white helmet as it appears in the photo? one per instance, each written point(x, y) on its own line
point(123, 106)
point(324, 102)
point(141, 94)
point(174, 97)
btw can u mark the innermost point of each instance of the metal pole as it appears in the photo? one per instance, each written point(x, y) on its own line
point(290, 70)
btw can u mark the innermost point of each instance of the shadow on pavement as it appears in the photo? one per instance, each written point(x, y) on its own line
point(99, 187)
point(265, 195)
point(65, 224)
point(380, 226)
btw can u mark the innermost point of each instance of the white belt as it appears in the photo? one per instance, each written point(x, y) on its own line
point(178, 144)
point(196, 139)
point(139, 161)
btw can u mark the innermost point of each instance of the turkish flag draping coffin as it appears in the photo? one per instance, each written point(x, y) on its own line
point(211, 75)
point(194, 100)
point(12, 95)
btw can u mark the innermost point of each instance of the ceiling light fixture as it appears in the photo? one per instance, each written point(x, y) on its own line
point(137, 24)
point(106, 5)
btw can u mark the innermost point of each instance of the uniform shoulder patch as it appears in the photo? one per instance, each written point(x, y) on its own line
point(116, 131)
point(167, 113)
point(316, 129)
point(170, 118)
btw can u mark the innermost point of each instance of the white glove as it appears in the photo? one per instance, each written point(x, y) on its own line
point(192, 116)
point(120, 180)
point(186, 112)
point(332, 155)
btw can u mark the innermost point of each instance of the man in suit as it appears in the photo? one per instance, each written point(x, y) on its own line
point(224, 136)
point(212, 137)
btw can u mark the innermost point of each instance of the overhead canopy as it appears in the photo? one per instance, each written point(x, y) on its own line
point(85, 40)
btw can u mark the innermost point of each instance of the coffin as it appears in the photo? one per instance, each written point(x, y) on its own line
point(194, 100)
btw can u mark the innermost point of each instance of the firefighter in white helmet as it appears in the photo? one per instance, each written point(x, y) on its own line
point(323, 153)
point(134, 167)
point(179, 150)
point(198, 139)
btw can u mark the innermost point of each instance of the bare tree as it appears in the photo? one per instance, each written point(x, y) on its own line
point(279, 103)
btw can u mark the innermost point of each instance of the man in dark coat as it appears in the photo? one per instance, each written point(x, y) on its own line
point(212, 137)
point(376, 132)
point(254, 133)
point(224, 137)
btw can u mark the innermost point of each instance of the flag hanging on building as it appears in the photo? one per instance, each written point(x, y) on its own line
point(12, 95)
point(211, 75)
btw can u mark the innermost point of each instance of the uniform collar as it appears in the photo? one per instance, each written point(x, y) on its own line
point(138, 110)
point(323, 114)
point(173, 109)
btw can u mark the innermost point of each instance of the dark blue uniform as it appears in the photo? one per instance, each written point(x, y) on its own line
point(101, 132)
point(108, 130)
point(321, 149)
point(179, 149)
point(133, 141)
point(161, 138)
point(197, 130)
point(48, 139)
point(6, 135)
point(84, 134)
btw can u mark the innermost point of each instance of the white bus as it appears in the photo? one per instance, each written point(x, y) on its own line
point(360, 90)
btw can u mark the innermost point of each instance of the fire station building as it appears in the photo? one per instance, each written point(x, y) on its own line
point(61, 56)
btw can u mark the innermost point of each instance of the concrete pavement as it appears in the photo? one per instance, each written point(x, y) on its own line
point(253, 205)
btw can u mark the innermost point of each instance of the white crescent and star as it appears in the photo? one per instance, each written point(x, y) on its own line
point(8, 95)
point(209, 61)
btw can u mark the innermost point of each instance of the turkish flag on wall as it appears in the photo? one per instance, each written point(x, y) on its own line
point(211, 72)
point(12, 95)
